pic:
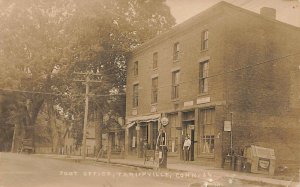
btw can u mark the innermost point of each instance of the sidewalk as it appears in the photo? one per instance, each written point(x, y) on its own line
point(175, 165)
point(195, 167)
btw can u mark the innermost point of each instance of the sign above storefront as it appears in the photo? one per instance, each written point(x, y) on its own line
point(203, 100)
point(188, 103)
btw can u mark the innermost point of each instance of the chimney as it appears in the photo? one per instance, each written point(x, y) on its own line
point(268, 12)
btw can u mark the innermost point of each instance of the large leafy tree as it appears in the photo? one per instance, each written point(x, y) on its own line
point(43, 42)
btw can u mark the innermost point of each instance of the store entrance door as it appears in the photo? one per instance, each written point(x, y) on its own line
point(190, 131)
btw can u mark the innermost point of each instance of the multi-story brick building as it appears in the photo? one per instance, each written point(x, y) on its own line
point(224, 62)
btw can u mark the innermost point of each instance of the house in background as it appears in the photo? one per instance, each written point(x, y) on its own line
point(224, 64)
point(114, 133)
point(112, 126)
point(70, 147)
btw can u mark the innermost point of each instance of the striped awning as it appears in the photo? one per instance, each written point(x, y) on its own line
point(140, 119)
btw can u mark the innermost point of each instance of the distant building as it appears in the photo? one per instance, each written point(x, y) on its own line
point(70, 147)
point(226, 60)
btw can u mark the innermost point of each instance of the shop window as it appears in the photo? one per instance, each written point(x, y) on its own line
point(207, 134)
point(175, 84)
point(173, 133)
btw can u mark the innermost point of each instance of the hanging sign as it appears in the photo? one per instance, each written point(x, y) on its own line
point(227, 126)
point(164, 121)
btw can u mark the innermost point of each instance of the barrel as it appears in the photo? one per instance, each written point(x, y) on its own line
point(227, 162)
point(239, 163)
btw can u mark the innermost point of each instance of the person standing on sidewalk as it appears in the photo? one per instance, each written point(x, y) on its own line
point(186, 148)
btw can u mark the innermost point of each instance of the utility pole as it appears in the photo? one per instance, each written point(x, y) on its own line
point(86, 110)
point(14, 139)
point(87, 81)
point(231, 143)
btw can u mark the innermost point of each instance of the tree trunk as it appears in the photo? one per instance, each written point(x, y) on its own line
point(52, 125)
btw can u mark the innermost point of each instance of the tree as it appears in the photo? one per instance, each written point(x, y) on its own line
point(43, 43)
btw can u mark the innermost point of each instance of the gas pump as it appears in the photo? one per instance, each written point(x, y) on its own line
point(162, 144)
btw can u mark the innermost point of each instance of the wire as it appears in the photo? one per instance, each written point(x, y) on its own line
point(49, 93)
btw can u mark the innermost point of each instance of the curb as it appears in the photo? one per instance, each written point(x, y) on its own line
point(126, 164)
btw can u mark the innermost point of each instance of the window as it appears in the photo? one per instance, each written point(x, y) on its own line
point(204, 38)
point(203, 77)
point(155, 60)
point(207, 133)
point(154, 91)
point(175, 84)
point(136, 68)
point(135, 95)
point(176, 50)
point(154, 134)
point(173, 134)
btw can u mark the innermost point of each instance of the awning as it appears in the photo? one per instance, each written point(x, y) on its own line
point(149, 118)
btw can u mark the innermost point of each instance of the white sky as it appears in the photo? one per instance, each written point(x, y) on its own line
point(287, 10)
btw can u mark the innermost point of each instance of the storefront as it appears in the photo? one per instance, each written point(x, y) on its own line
point(141, 131)
point(204, 126)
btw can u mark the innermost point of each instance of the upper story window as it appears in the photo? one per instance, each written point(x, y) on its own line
point(135, 96)
point(176, 50)
point(203, 76)
point(136, 68)
point(175, 84)
point(154, 90)
point(155, 60)
point(204, 40)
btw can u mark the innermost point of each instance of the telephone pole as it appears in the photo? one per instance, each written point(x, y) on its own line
point(87, 81)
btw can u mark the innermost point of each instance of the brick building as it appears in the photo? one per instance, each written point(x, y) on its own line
point(225, 60)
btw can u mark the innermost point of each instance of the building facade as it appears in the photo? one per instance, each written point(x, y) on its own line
point(224, 64)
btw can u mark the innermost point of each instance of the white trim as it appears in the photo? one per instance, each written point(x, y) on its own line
point(175, 69)
point(135, 82)
point(154, 75)
point(203, 59)
point(130, 125)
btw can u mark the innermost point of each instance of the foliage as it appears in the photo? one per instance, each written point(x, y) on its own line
point(44, 42)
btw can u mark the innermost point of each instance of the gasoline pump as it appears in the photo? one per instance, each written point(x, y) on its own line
point(162, 145)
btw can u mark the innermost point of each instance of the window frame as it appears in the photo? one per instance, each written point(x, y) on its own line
point(155, 60)
point(154, 90)
point(135, 96)
point(204, 40)
point(175, 84)
point(204, 124)
point(176, 51)
point(136, 68)
point(203, 76)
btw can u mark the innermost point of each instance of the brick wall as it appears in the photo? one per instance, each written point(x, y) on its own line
point(262, 93)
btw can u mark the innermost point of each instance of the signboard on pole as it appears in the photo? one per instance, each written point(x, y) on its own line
point(227, 126)
point(164, 121)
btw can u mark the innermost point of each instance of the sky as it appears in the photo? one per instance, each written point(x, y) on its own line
point(287, 10)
